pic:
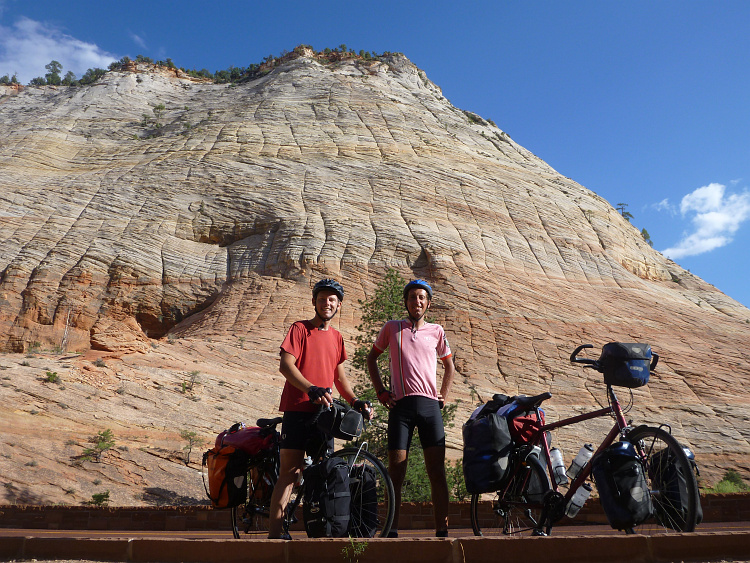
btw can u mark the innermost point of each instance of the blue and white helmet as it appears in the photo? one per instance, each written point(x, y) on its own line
point(418, 283)
point(331, 285)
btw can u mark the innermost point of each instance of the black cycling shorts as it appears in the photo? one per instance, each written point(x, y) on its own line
point(418, 412)
point(298, 434)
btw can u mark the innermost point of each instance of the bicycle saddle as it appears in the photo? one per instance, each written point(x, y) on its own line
point(532, 402)
point(268, 422)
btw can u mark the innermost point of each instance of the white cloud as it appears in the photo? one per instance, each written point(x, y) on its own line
point(29, 45)
point(715, 216)
point(664, 205)
point(138, 40)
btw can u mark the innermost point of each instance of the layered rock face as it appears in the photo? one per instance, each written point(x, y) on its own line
point(149, 208)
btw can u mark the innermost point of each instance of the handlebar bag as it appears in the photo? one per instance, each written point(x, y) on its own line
point(625, 364)
point(341, 421)
point(487, 450)
point(623, 489)
point(326, 505)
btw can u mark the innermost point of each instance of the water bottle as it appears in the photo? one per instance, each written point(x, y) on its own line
point(307, 463)
point(581, 459)
point(558, 466)
point(575, 504)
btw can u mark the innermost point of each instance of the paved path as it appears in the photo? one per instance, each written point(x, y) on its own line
point(568, 544)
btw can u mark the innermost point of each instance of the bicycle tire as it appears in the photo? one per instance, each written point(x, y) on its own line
point(517, 509)
point(251, 519)
point(661, 448)
point(362, 518)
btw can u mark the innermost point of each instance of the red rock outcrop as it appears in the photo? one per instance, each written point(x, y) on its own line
point(126, 226)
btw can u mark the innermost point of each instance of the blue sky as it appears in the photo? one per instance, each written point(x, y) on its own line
point(643, 102)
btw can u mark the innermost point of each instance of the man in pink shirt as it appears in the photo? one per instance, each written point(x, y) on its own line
point(413, 399)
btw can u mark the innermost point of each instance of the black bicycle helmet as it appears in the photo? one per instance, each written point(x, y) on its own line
point(330, 284)
point(420, 284)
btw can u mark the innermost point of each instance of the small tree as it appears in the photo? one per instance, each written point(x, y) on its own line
point(188, 384)
point(456, 482)
point(69, 79)
point(385, 305)
point(103, 441)
point(646, 236)
point(626, 214)
point(53, 74)
point(192, 441)
point(159, 112)
point(92, 75)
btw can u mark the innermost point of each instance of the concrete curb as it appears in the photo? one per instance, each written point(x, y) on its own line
point(705, 546)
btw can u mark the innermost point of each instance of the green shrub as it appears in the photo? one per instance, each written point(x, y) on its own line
point(731, 483)
point(100, 499)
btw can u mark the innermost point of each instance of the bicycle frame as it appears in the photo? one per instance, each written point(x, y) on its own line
point(540, 440)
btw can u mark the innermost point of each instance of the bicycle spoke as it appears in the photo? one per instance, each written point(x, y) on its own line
point(518, 509)
point(373, 497)
point(672, 484)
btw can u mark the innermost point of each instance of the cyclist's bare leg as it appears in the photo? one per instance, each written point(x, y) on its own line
point(434, 458)
point(397, 460)
point(290, 464)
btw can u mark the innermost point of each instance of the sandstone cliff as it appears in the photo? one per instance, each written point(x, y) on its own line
point(186, 239)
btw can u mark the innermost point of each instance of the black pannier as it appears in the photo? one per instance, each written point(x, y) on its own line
point(626, 364)
point(364, 491)
point(327, 499)
point(623, 489)
point(487, 449)
point(669, 480)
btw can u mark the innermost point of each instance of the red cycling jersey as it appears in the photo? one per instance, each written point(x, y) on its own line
point(317, 354)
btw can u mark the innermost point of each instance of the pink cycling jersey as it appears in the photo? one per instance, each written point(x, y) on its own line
point(414, 355)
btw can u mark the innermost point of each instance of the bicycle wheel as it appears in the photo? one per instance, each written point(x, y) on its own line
point(672, 484)
point(515, 509)
point(373, 498)
point(250, 519)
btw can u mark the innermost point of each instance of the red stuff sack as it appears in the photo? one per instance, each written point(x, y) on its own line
point(250, 439)
point(524, 426)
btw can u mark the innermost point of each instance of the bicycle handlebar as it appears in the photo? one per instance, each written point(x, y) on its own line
point(576, 360)
point(654, 360)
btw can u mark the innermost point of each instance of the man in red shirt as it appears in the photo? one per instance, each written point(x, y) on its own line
point(312, 357)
